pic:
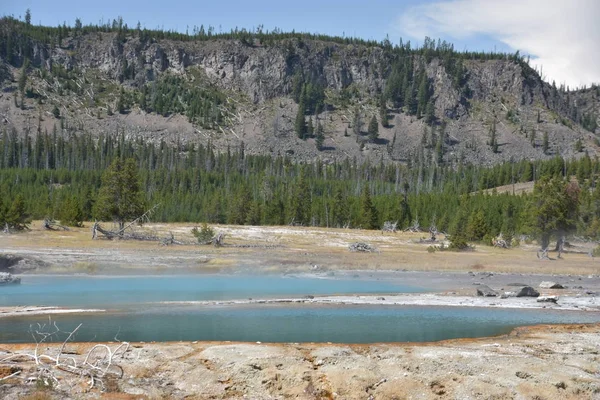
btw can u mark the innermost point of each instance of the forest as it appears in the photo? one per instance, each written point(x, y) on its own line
point(49, 176)
point(60, 175)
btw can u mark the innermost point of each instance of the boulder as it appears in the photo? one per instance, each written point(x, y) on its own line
point(551, 285)
point(486, 291)
point(547, 299)
point(527, 291)
point(8, 279)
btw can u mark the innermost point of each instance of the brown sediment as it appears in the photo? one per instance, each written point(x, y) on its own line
point(549, 361)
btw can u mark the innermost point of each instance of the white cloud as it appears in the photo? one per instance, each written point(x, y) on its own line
point(562, 35)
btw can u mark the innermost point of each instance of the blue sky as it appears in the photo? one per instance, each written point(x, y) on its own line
point(365, 19)
point(560, 35)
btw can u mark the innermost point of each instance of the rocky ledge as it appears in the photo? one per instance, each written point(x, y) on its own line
point(8, 279)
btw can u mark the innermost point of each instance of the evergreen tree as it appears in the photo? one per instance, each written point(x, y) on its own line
point(368, 218)
point(16, 216)
point(383, 115)
point(553, 209)
point(70, 212)
point(310, 129)
point(119, 198)
point(356, 122)
point(477, 226)
point(320, 137)
point(300, 201)
point(373, 129)
point(300, 123)
point(423, 95)
point(493, 139)
point(545, 144)
point(439, 150)
point(121, 105)
point(340, 209)
point(410, 100)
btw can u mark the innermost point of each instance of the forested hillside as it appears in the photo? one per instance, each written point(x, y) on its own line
point(286, 128)
point(303, 95)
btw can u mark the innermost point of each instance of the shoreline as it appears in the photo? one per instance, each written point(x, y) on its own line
point(548, 361)
point(565, 303)
point(25, 311)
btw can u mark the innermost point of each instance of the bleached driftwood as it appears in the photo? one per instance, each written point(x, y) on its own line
point(53, 370)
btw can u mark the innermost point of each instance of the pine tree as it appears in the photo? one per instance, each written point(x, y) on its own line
point(439, 150)
point(545, 143)
point(493, 139)
point(300, 201)
point(320, 137)
point(368, 218)
point(383, 115)
point(300, 123)
point(410, 100)
point(310, 129)
point(16, 216)
point(373, 129)
point(422, 95)
point(120, 197)
point(340, 209)
point(477, 226)
point(70, 212)
point(356, 122)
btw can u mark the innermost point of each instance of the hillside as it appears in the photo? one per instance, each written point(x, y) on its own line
point(441, 106)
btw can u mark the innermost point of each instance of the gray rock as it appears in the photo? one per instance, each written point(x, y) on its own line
point(551, 285)
point(486, 291)
point(506, 295)
point(8, 279)
point(547, 299)
point(528, 291)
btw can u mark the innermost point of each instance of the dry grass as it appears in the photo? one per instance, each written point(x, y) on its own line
point(286, 247)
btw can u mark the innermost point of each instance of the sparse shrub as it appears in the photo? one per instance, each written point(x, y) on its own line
point(596, 252)
point(488, 239)
point(432, 249)
point(458, 243)
point(204, 234)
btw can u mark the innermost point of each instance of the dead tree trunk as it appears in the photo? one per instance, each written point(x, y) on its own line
point(51, 225)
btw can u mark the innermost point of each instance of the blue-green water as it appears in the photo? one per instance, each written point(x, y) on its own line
point(101, 292)
point(135, 314)
point(297, 323)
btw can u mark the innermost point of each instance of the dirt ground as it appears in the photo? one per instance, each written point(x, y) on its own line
point(546, 362)
point(278, 249)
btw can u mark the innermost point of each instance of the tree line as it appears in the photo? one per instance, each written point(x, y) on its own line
point(49, 176)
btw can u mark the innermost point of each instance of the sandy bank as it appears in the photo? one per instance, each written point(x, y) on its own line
point(548, 362)
point(570, 303)
point(22, 311)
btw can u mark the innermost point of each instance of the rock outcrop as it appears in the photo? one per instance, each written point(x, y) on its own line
point(551, 285)
point(486, 291)
point(8, 279)
point(527, 291)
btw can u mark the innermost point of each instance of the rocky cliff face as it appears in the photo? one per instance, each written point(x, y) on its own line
point(501, 95)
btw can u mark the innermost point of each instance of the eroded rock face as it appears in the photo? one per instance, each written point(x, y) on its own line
point(8, 279)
